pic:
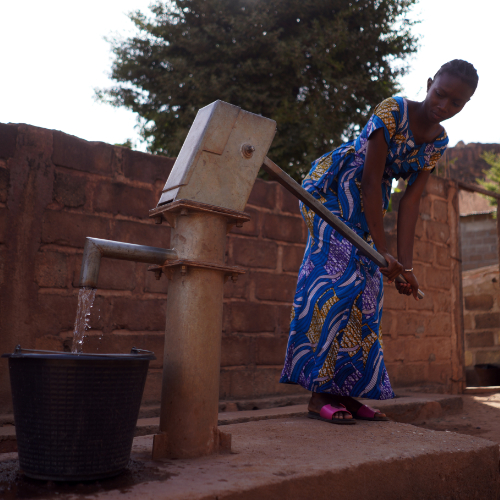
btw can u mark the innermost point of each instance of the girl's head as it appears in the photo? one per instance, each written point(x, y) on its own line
point(452, 87)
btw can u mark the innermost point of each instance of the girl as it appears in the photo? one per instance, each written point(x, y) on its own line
point(335, 347)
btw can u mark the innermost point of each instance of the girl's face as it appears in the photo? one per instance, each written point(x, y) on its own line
point(446, 96)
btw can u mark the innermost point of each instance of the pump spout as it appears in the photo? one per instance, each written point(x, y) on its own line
point(96, 248)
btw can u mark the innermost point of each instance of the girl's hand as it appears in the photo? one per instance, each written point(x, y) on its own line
point(393, 269)
point(410, 288)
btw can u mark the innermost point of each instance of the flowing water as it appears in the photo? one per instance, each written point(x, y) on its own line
point(85, 301)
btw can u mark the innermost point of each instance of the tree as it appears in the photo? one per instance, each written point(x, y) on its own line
point(317, 67)
point(491, 180)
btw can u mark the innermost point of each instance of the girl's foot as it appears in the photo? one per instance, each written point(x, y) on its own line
point(319, 399)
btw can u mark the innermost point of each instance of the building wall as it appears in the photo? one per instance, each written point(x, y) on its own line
point(479, 241)
point(481, 289)
point(56, 189)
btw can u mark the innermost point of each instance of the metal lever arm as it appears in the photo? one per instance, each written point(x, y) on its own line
point(317, 207)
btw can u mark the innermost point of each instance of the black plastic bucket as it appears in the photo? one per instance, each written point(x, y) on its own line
point(75, 414)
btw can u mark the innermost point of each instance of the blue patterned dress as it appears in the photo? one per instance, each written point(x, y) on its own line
point(335, 343)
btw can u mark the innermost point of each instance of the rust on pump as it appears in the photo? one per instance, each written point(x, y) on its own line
point(203, 198)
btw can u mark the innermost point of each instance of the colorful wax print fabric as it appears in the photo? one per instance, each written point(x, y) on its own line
point(335, 343)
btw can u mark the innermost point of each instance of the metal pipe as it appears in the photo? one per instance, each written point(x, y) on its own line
point(96, 248)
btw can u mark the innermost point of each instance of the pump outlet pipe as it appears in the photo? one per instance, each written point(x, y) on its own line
point(96, 248)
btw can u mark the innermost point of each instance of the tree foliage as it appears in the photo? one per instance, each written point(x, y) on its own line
point(491, 182)
point(317, 67)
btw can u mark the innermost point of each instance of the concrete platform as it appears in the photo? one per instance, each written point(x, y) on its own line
point(298, 458)
point(407, 408)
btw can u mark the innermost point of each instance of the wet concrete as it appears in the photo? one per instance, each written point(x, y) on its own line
point(15, 485)
point(297, 458)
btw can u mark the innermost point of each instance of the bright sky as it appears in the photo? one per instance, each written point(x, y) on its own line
point(54, 54)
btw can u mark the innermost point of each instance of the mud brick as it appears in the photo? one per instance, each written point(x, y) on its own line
point(71, 229)
point(280, 287)
point(284, 315)
point(117, 198)
point(393, 299)
point(51, 269)
point(411, 323)
point(438, 324)
point(437, 186)
point(252, 317)
point(479, 302)
point(437, 231)
point(420, 228)
point(425, 206)
point(152, 388)
point(240, 383)
point(442, 256)
point(389, 327)
point(237, 350)
point(270, 349)
point(479, 339)
point(267, 380)
point(441, 299)
point(289, 203)
point(151, 284)
point(71, 152)
point(468, 321)
point(283, 228)
point(254, 253)
point(390, 222)
point(141, 233)
point(292, 258)
point(136, 315)
point(418, 350)
point(440, 211)
point(488, 356)
point(423, 251)
point(392, 243)
point(408, 374)
point(438, 373)
point(70, 190)
point(438, 278)
point(55, 313)
point(3, 225)
point(263, 194)
point(394, 350)
point(4, 184)
point(488, 320)
point(426, 304)
point(117, 275)
point(145, 167)
point(250, 228)
point(8, 134)
point(239, 289)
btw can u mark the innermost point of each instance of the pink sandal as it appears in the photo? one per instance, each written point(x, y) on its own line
point(326, 414)
point(367, 413)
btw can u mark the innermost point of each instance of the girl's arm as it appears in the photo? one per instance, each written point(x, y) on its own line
point(371, 182)
point(407, 221)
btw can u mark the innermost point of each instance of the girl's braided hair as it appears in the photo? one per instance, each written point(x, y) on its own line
point(461, 69)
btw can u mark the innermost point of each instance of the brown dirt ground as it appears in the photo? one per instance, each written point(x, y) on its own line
point(480, 417)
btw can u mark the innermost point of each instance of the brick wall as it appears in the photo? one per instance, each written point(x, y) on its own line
point(479, 239)
point(56, 189)
point(424, 339)
point(481, 289)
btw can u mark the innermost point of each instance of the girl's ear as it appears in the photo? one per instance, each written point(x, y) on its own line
point(430, 81)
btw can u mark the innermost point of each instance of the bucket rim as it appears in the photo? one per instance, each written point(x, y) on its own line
point(135, 354)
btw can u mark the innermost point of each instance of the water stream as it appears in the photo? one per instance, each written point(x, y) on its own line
point(86, 298)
